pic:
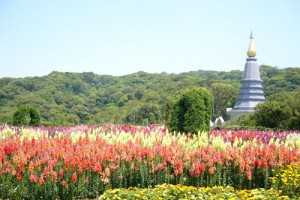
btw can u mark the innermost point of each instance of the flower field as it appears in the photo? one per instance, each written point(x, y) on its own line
point(86, 161)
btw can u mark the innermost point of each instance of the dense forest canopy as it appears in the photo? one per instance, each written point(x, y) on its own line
point(64, 98)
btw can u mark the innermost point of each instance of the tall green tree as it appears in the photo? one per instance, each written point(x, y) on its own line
point(192, 112)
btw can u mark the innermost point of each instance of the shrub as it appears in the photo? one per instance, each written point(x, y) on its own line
point(27, 116)
point(271, 114)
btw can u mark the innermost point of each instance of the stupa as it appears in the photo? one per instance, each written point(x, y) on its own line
point(251, 92)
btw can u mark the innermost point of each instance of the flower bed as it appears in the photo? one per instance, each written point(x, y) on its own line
point(170, 192)
point(83, 161)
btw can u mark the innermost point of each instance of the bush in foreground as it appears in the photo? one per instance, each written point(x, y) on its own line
point(287, 179)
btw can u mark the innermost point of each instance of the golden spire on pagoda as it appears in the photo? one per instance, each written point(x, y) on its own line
point(251, 50)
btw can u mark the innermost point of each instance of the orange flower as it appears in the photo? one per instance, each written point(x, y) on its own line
point(31, 167)
point(249, 175)
point(13, 172)
point(54, 176)
point(212, 170)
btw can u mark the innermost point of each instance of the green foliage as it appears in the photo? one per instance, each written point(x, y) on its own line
point(224, 96)
point(293, 123)
point(244, 121)
point(271, 114)
point(84, 98)
point(279, 80)
point(281, 111)
point(26, 115)
point(192, 112)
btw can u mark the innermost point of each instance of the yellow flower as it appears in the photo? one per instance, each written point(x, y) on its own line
point(284, 180)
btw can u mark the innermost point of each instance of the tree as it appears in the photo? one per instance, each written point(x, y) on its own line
point(292, 99)
point(293, 123)
point(244, 121)
point(272, 114)
point(26, 115)
point(148, 114)
point(192, 112)
point(224, 95)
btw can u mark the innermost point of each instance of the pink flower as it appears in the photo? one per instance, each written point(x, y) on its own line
point(105, 180)
point(33, 178)
point(86, 181)
point(120, 177)
point(64, 183)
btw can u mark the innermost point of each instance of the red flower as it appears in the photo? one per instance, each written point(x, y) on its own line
point(197, 169)
point(97, 168)
point(61, 173)
point(19, 176)
point(113, 167)
point(10, 148)
point(74, 177)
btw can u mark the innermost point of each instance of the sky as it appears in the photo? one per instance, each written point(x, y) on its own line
point(121, 37)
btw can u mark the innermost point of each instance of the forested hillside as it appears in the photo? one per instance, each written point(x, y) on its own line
point(140, 98)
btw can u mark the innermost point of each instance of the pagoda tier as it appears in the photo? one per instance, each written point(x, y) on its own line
point(251, 92)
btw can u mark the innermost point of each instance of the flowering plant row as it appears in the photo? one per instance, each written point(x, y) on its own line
point(83, 162)
point(170, 192)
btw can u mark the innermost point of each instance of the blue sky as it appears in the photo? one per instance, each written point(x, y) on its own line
point(120, 37)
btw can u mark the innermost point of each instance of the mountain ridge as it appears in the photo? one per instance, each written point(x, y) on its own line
point(71, 98)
